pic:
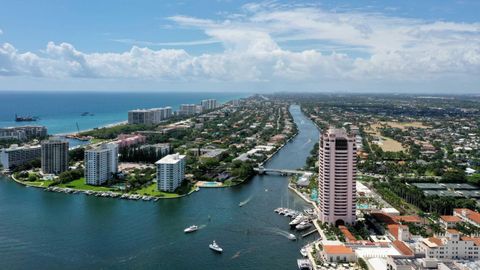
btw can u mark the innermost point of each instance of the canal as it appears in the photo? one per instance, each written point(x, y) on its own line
point(45, 230)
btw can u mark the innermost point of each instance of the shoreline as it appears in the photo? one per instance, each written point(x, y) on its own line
point(111, 194)
point(121, 195)
point(90, 129)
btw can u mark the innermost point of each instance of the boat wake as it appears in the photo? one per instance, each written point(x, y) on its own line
point(241, 252)
point(309, 141)
point(281, 233)
point(242, 203)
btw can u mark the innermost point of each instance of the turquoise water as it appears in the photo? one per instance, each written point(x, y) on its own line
point(44, 230)
point(208, 184)
point(60, 112)
point(362, 206)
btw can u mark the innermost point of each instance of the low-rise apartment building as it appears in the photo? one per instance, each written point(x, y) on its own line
point(452, 246)
point(18, 155)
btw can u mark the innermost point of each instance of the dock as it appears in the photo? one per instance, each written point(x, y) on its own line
point(310, 232)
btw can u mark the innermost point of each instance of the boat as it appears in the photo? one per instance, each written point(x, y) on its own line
point(25, 118)
point(215, 247)
point(242, 204)
point(291, 214)
point(303, 225)
point(297, 220)
point(304, 264)
point(191, 229)
point(309, 211)
point(278, 210)
point(292, 237)
point(304, 252)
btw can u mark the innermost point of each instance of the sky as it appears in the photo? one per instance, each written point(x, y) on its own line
point(428, 46)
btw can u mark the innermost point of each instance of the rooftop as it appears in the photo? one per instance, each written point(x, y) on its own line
point(450, 218)
point(472, 215)
point(403, 248)
point(337, 249)
point(171, 159)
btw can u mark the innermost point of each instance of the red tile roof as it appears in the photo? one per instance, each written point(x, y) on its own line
point(472, 215)
point(436, 241)
point(387, 219)
point(407, 219)
point(337, 249)
point(348, 235)
point(450, 219)
point(403, 248)
point(393, 229)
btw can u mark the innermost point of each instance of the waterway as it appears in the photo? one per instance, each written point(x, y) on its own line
point(44, 230)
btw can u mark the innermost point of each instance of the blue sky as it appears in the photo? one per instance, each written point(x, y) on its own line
point(375, 46)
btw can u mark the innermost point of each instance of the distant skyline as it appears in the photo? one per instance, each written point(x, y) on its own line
point(430, 46)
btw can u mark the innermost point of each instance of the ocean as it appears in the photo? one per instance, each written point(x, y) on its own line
point(60, 112)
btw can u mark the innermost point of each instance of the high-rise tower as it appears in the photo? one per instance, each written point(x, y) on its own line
point(337, 176)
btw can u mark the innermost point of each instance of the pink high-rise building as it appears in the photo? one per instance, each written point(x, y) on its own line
point(337, 176)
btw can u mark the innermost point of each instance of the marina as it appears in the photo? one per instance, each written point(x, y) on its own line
point(93, 231)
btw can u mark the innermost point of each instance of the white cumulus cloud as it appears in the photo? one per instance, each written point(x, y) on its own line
point(259, 46)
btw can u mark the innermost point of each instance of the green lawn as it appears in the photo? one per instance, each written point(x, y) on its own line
point(39, 183)
point(151, 190)
point(96, 140)
point(80, 184)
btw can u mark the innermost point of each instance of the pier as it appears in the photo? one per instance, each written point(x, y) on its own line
point(308, 233)
point(262, 170)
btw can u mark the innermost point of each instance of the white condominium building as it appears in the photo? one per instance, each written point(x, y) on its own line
point(101, 164)
point(23, 132)
point(170, 172)
point(16, 156)
point(337, 177)
point(209, 104)
point(149, 116)
point(54, 156)
point(189, 109)
point(452, 246)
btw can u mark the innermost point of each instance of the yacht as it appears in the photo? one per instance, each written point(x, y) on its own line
point(303, 225)
point(304, 264)
point(213, 246)
point(292, 237)
point(191, 229)
point(304, 252)
point(297, 220)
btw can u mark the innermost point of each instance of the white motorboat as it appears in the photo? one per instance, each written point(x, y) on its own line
point(191, 229)
point(303, 225)
point(215, 247)
point(292, 237)
point(297, 220)
point(304, 252)
point(304, 264)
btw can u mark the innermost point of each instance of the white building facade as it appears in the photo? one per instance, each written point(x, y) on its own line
point(170, 172)
point(101, 164)
point(452, 246)
point(337, 177)
point(209, 104)
point(149, 116)
point(16, 156)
